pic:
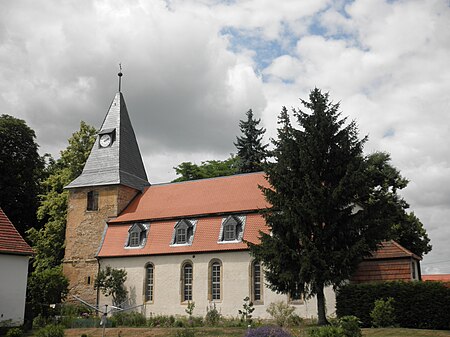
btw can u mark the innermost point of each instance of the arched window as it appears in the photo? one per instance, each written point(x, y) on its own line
point(149, 282)
point(186, 281)
point(215, 280)
point(256, 282)
point(92, 201)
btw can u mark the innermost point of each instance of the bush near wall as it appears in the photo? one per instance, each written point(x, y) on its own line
point(422, 305)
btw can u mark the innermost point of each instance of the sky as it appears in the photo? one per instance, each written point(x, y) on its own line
point(193, 68)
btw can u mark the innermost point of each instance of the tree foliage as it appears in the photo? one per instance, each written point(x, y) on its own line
point(48, 242)
point(111, 281)
point(320, 180)
point(47, 287)
point(207, 169)
point(21, 170)
point(251, 151)
point(406, 228)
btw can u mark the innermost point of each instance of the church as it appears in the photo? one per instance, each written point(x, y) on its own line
point(178, 242)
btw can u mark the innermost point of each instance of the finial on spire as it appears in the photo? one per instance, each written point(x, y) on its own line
point(120, 75)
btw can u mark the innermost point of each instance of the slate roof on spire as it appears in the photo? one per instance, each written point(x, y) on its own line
point(121, 162)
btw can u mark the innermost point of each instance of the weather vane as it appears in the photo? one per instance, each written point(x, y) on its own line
point(120, 75)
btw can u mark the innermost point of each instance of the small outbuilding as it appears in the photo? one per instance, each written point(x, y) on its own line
point(14, 257)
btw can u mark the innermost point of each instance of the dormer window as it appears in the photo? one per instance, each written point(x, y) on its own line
point(184, 232)
point(137, 236)
point(92, 201)
point(232, 229)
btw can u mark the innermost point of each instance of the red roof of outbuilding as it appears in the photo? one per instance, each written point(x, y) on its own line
point(392, 249)
point(436, 277)
point(11, 242)
point(229, 194)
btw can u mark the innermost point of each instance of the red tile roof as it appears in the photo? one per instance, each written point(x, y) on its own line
point(160, 236)
point(391, 249)
point(238, 193)
point(11, 242)
point(436, 277)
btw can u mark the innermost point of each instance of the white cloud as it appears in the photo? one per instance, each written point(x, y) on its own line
point(186, 85)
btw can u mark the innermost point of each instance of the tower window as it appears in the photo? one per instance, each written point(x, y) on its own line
point(92, 201)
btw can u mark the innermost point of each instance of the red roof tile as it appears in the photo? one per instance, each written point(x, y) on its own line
point(11, 242)
point(230, 194)
point(436, 277)
point(159, 237)
point(391, 249)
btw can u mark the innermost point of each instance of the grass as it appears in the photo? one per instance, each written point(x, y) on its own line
point(239, 332)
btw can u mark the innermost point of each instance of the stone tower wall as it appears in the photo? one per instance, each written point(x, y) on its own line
point(84, 231)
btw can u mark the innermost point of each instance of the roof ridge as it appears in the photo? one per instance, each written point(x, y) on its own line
point(405, 250)
point(207, 179)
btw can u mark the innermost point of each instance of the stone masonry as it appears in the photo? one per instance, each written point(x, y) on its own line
point(84, 231)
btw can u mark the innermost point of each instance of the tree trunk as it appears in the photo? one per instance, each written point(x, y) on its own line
point(321, 312)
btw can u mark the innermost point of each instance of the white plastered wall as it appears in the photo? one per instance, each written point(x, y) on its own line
point(13, 281)
point(167, 285)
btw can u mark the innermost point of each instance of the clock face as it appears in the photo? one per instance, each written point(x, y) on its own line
point(105, 140)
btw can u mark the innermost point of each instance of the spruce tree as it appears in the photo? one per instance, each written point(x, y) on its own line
point(326, 213)
point(251, 151)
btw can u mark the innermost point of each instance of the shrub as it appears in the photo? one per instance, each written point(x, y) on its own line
point(14, 332)
point(247, 310)
point(132, 319)
point(212, 315)
point(383, 314)
point(326, 331)
point(51, 331)
point(190, 308)
point(350, 326)
point(267, 331)
point(419, 305)
point(84, 335)
point(281, 312)
point(39, 321)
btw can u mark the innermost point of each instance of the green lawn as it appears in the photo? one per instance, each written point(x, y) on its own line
point(239, 332)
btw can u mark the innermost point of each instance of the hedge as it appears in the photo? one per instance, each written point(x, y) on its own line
point(421, 305)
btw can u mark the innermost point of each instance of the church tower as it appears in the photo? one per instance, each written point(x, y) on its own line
point(112, 176)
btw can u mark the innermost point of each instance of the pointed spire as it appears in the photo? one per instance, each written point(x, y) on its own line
point(115, 157)
point(120, 76)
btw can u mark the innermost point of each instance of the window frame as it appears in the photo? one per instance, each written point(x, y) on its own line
point(232, 224)
point(141, 231)
point(254, 283)
point(149, 288)
point(183, 232)
point(215, 282)
point(187, 284)
point(92, 198)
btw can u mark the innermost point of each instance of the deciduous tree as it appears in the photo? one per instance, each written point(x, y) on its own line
point(21, 170)
point(48, 242)
point(111, 281)
point(207, 169)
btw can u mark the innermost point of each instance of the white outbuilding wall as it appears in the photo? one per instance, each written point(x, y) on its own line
point(13, 281)
point(236, 285)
